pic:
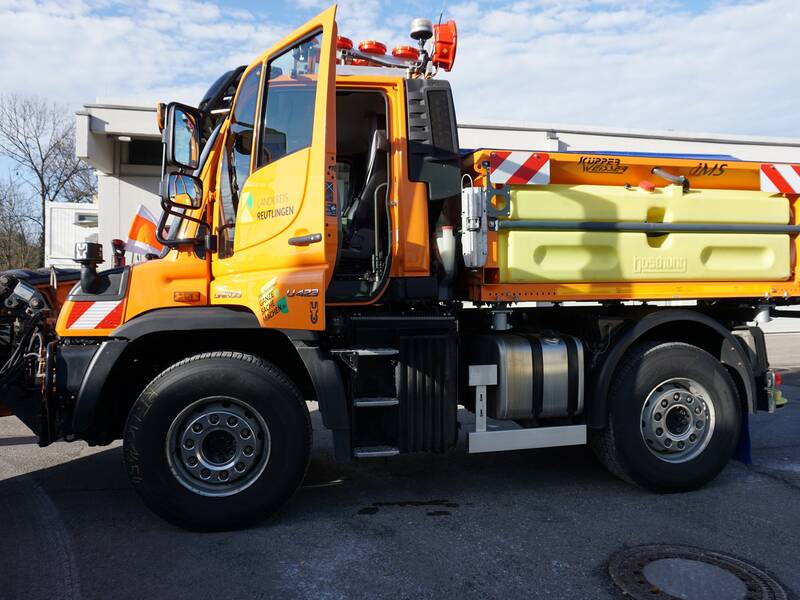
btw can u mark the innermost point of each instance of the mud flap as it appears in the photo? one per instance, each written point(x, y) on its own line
point(743, 452)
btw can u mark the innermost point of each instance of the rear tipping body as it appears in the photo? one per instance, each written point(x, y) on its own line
point(593, 227)
point(325, 234)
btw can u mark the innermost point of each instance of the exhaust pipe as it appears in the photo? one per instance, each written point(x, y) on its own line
point(88, 255)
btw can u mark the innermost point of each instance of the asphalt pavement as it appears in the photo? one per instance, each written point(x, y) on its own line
point(527, 524)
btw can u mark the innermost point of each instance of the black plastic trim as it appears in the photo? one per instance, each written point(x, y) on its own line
point(94, 381)
point(112, 285)
point(433, 153)
point(187, 319)
point(330, 392)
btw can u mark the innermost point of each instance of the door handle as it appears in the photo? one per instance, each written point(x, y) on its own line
point(305, 240)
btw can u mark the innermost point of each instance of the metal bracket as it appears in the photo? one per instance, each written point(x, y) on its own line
point(491, 192)
point(481, 376)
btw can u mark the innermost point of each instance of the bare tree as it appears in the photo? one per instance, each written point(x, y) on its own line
point(39, 137)
point(19, 227)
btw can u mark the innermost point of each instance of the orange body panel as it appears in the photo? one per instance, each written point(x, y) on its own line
point(153, 284)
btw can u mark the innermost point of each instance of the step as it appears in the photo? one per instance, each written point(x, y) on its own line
point(375, 402)
point(520, 439)
point(367, 351)
point(375, 451)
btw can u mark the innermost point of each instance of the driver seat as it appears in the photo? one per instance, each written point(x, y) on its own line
point(359, 233)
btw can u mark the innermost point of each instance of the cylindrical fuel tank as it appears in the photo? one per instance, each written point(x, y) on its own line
point(538, 376)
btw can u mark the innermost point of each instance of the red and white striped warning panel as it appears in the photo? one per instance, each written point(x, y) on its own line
point(780, 179)
point(106, 314)
point(520, 168)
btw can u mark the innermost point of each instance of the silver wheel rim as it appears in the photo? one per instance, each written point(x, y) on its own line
point(677, 420)
point(218, 446)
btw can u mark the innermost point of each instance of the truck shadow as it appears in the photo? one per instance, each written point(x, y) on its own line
point(95, 489)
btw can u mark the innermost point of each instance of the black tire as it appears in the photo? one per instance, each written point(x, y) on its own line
point(244, 378)
point(621, 447)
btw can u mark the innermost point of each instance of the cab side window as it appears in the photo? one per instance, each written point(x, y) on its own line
point(288, 109)
point(235, 168)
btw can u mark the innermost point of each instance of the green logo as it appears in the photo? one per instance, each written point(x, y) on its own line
point(283, 305)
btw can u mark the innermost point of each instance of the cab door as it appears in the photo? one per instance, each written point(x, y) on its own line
point(277, 215)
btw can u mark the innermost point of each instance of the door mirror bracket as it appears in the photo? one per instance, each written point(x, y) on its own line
point(181, 194)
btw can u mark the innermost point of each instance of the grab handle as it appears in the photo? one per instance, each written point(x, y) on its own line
point(305, 240)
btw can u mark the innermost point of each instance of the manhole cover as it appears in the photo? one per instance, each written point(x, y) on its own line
point(683, 573)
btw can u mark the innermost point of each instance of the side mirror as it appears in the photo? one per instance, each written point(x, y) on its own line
point(182, 136)
point(182, 191)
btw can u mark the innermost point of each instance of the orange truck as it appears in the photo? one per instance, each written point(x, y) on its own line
point(327, 239)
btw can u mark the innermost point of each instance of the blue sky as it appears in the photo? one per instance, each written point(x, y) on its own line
point(727, 66)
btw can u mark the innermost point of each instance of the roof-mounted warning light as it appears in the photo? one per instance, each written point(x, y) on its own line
point(372, 47)
point(367, 50)
point(406, 52)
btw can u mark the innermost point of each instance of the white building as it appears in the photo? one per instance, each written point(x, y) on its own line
point(67, 224)
point(123, 144)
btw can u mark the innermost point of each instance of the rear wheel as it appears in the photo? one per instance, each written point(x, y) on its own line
point(674, 418)
point(217, 440)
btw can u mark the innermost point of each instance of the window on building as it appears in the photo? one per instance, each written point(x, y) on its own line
point(143, 152)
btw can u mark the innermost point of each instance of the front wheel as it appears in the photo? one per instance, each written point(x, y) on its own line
point(217, 440)
point(674, 418)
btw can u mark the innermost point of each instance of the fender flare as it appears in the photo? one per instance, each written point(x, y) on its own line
point(322, 369)
point(730, 354)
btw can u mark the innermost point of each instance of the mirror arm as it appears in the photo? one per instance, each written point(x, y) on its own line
point(210, 243)
point(172, 243)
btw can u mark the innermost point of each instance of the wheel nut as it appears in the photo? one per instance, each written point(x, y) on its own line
point(664, 403)
point(232, 421)
point(245, 433)
point(657, 416)
point(239, 467)
point(668, 442)
point(189, 444)
point(213, 419)
point(681, 445)
point(248, 451)
point(192, 461)
point(659, 431)
point(693, 438)
point(197, 428)
point(205, 473)
point(689, 400)
point(676, 396)
point(223, 476)
point(697, 410)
